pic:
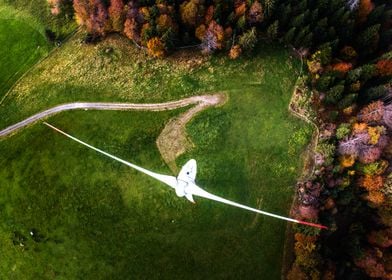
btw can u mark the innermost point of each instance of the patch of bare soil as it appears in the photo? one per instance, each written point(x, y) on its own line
point(173, 140)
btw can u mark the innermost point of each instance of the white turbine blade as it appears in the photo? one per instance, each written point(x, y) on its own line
point(196, 190)
point(169, 180)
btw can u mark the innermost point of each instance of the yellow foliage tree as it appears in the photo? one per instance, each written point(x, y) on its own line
point(347, 161)
point(155, 47)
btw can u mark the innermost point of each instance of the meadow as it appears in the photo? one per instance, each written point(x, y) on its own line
point(94, 218)
point(22, 42)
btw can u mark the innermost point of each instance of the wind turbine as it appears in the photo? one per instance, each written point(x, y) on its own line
point(184, 184)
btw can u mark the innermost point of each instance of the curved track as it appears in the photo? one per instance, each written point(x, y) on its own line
point(203, 100)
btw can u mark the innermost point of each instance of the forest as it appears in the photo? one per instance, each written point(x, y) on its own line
point(346, 49)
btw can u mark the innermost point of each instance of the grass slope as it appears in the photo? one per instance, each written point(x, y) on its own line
point(22, 43)
point(99, 219)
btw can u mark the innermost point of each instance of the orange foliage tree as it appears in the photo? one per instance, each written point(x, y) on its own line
point(376, 197)
point(116, 14)
point(365, 7)
point(239, 8)
point(343, 67)
point(371, 183)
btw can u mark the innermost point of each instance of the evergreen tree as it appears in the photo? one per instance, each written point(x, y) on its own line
point(248, 40)
point(298, 21)
point(367, 40)
point(376, 15)
point(289, 36)
point(320, 31)
point(334, 95)
point(272, 30)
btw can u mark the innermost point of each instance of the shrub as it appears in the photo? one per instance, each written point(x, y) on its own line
point(235, 52)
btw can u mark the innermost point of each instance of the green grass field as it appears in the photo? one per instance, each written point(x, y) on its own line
point(23, 39)
point(98, 219)
point(22, 43)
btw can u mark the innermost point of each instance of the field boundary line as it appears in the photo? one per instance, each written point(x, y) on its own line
point(288, 249)
point(35, 65)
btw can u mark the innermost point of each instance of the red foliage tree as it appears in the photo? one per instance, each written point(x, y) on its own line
point(369, 154)
point(381, 238)
point(92, 14)
point(255, 14)
point(372, 113)
point(371, 264)
point(384, 67)
point(132, 25)
point(308, 212)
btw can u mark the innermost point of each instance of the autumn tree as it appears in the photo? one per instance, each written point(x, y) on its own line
point(155, 47)
point(235, 52)
point(371, 264)
point(191, 12)
point(371, 183)
point(364, 9)
point(133, 22)
point(82, 11)
point(239, 8)
point(164, 23)
point(372, 113)
point(116, 15)
point(55, 6)
point(342, 67)
point(213, 38)
point(384, 67)
point(93, 15)
point(255, 14)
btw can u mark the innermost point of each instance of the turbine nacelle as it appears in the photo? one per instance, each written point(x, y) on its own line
point(185, 179)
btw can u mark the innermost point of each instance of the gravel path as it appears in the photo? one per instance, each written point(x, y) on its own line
point(205, 100)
